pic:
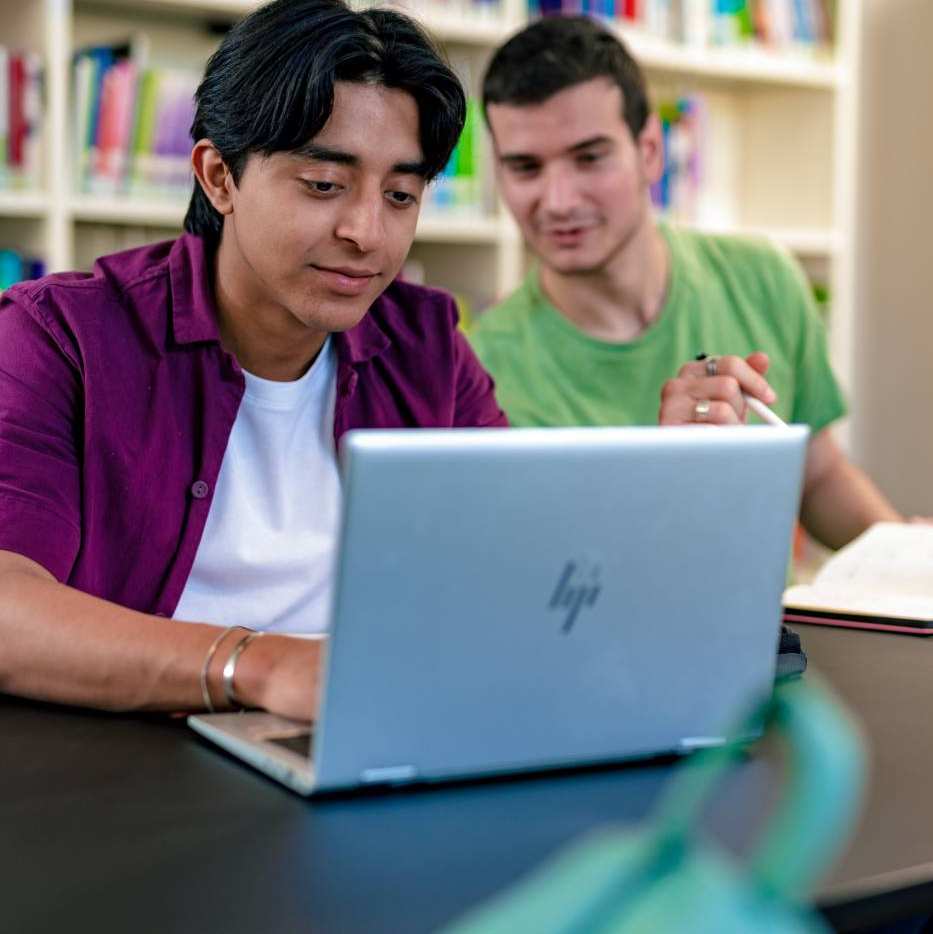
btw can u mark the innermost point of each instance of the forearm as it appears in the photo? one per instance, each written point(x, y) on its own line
point(61, 645)
point(841, 503)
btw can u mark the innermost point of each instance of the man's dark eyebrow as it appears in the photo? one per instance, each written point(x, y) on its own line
point(587, 143)
point(326, 154)
point(410, 168)
point(516, 157)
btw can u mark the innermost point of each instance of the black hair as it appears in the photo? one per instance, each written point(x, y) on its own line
point(269, 87)
point(558, 52)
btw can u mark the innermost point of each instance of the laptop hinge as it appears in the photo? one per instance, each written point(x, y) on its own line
point(390, 774)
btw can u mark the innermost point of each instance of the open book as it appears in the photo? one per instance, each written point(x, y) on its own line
point(881, 580)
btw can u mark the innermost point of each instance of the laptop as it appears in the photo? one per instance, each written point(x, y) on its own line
point(526, 599)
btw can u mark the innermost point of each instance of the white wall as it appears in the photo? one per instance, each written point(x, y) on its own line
point(892, 426)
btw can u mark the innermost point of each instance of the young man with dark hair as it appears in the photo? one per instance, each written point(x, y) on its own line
point(168, 422)
point(617, 302)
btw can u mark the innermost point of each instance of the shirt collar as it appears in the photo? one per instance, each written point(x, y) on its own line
point(194, 312)
point(362, 342)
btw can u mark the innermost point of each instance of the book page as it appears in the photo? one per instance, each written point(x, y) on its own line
point(888, 570)
point(880, 606)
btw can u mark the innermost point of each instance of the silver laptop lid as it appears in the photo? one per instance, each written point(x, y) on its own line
point(515, 599)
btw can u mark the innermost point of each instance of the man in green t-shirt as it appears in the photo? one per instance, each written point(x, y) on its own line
point(599, 332)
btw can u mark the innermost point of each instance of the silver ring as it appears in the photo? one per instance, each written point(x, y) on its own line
point(701, 410)
point(712, 366)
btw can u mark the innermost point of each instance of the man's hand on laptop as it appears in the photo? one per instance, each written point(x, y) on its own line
point(710, 390)
point(282, 675)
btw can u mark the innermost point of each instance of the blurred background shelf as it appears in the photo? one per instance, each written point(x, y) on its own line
point(128, 211)
point(23, 204)
point(170, 213)
point(752, 65)
point(435, 228)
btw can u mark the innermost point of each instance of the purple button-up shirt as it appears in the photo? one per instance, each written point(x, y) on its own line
point(117, 400)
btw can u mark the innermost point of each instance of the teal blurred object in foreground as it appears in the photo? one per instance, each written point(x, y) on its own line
point(666, 877)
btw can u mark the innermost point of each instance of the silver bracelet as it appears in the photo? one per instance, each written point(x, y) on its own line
point(205, 690)
point(230, 669)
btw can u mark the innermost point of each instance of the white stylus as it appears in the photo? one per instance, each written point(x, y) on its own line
point(763, 412)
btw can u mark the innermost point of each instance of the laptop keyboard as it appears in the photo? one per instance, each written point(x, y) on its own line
point(300, 743)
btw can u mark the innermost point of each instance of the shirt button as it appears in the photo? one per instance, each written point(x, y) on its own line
point(199, 489)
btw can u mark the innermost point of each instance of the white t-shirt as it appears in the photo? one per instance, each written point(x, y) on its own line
point(266, 557)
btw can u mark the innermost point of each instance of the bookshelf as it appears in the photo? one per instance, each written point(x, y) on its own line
point(783, 166)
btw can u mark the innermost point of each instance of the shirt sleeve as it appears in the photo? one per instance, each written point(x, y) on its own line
point(818, 398)
point(40, 440)
point(476, 405)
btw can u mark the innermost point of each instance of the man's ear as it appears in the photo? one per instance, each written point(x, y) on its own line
point(650, 144)
point(213, 176)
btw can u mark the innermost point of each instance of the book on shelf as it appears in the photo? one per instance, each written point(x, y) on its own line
point(20, 119)
point(458, 189)
point(17, 267)
point(132, 122)
point(781, 25)
point(777, 24)
point(450, 9)
point(881, 580)
point(677, 193)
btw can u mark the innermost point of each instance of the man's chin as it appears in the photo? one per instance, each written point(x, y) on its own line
point(579, 265)
point(335, 317)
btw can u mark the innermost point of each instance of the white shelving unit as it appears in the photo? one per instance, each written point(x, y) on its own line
point(23, 204)
point(751, 65)
point(784, 125)
point(432, 227)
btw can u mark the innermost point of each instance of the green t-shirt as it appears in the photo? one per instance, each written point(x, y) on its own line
point(727, 295)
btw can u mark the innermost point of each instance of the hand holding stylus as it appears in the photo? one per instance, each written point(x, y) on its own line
point(718, 391)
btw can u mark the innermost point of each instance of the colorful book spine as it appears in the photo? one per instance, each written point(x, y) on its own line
point(116, 102)
point(803, 22)
point(16, 132)
point(466, 172)
point(676, 193)
point(132, 123)
point(144, 130)
point(779, 24)
point(4, 114)
point(20, 119)
point(171, 145)
point(474, 9)
point(458, 189)
point(30, 172)
point(744, 20)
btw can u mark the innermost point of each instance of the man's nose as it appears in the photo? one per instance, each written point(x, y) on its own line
point(559, 195)
point(361, 221)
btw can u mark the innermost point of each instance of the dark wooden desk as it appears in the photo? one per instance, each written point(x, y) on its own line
point(887, 681)
point(118, 824)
